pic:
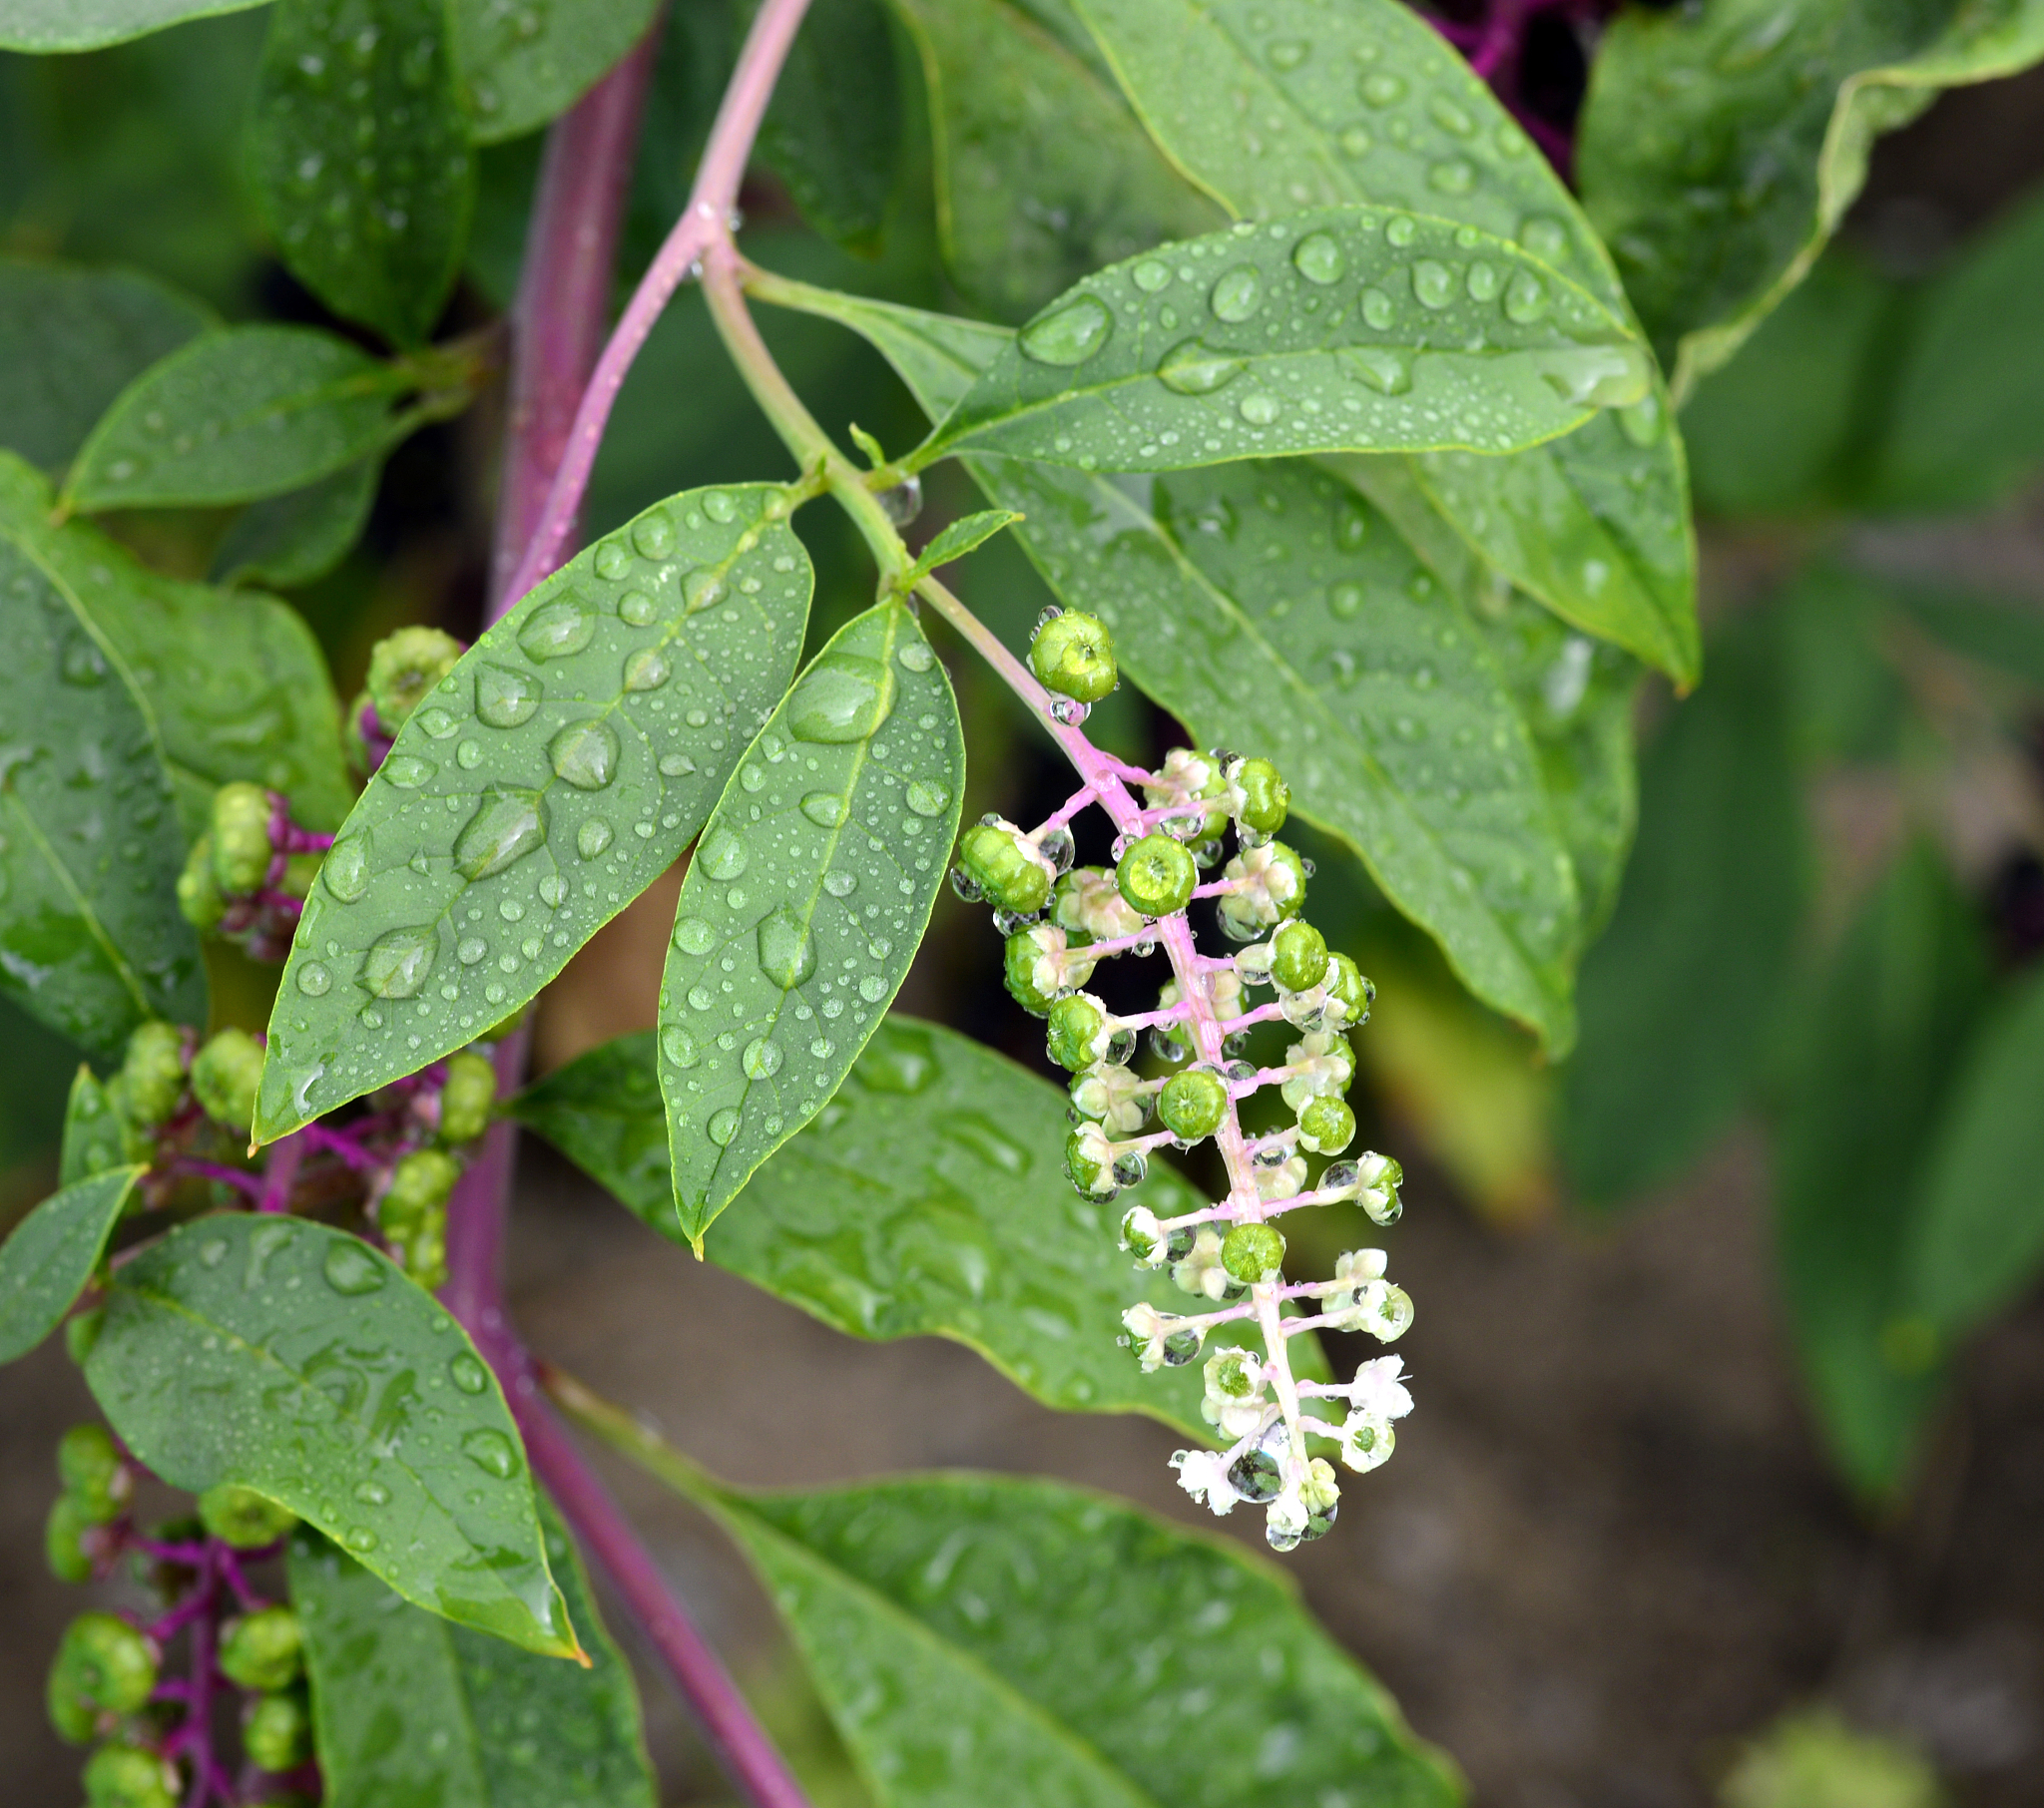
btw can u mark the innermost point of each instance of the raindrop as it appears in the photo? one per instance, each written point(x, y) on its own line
point(1356, 140)
point(1401, 230)
point(507, 825)
point(406, 770)
point(1455, 175)
point(315, 981)
point(611, 561)
point(1382, 89)
point(841, 697)
point(361, 1539)
point(676, 765)
point(491, 1452)
point(1148, 276)
point(1290, 53)
point(723, 1127)
point(397, 962)
point(558, 628)
point(646, 669)
point(1598, 376)
point(503, 697)
point(469, 755)
point(1070, 334)
point(1192, 368)
point(694, 936)
point(840, 884)
point(916, 656)
point(761, 1059)
point(1345, 602)
point(1546, 239)
point(1432, 284)
point(474, 948)
point(678, 1047)
point(1383, 368)
point(1378, 310)
point(1482, 282)
point(653, 535)
point(1319, 257)
point(724, 854)
point(636, 607)
point(585, 755)
point(345, 869)
point(437, 722)
point(1259, 410)
point(352, 1268)
point(553, 891)
point(1237, 293)
point(372, 1494)
point(469, 1374)
point(1449, 117)
point(592, 837)
point(788, 952)
point(926, 798)
point(872, 987)
point(1525, 298)
point(753, 779)
point(701, 589)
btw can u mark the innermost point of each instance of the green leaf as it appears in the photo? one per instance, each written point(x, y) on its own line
point(91, 941)
point(57, 25)
point(294, 1359)
point(94, 1138)
point(1042, 172)
point(1979, 1230)
point(555, 773)
point(1721, 145)
point(1679, 996)
point(925, 1199)
point(805, 902)
point(521, 66)
point(237, 685)
point(1340, 329)
point(832, 131)
point(1965, 415)
point(71, 339)
point(1871, 1078)
point(2002, 633)
point(1276, 106)
point(293, 539)
point(956, 540)
point(409, 1709)
point(50, 1255)
point(359, 158)
point(246, 412)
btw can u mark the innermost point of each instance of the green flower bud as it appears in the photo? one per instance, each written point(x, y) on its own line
point(1156, 876)
point(105, 1664)
point(242, 1518)
point(1142, 1236)
point(154, 1073)
point(1075, 1031)
point(1266, 798)
point(1192, 1104)
point(1041, 966)
point(419, 1188)
point(466, 1099)
point(425, 1253)
point(1111, 1097)
point(127, 1777)
point(276, 1732)
point(198, 899)
point(90, 1464)
point(64, 1541)
point(1299, 956)
point(403, 667)
point(263, 1650)
point(1326, 1127)
point(1252, 1252)
point(1192, 778)
point(1349, 992)
point(1072, 654)
point(74, 1720)
point(1271, 888)
point(1003, 868)
point(1089, 1162)
point(225, 1075)
point(81, 1332)
point(240, 837)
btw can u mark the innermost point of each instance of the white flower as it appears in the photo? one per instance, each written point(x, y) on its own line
point(1377, 1388)
point(1285, 1520)
point(1201, 1271)
point(1203, 1474)
point(1143, 1236)
point(1090, 902)
point(1366, 1442)
point(1254, 962)
point(1283, 1180)
point(1147, 1329)
point(1234, 1401)
point(1324, 1063)
point(1113, 1098)
point(1356, 1266)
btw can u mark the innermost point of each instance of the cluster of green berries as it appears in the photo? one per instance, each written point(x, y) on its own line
point(404, 669)
point(412, 1210)
point(175, 1094)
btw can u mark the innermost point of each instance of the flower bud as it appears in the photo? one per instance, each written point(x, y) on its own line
point(1156, 876)
point(225, 1075)
point(1233, 1402)
point(419, 1188)
point(1326, 1127)
point(1111, 1098)
point(1280, 1179)
point(403, 666)
point(1191, 779)
point(1089, 903)
point(1320, 1493)
point(93, 1476)
point(1299, 956)
point(997, 859)
point(263, 1649)
point(1265, 796)
point(64, 1541)
point(1089, 1162)
point(104, 1666)
point(1378, 1180)
point(1350, 995)
point(1269, 887)
point(129, 1776)
point(1143, 1237)
point(1078, 1031)
point(1144, 1331)
point(1039, 967)
point(466, 1097)
point(1325, 1065)
point(1192, 1104)
point(242, 1518)
point(152, 1074)
point(199, 898)
point(240, 837)
point(1252, 1253)
point(1072, 654)
point(276, 1732)
point(425, 1253)
point(1198, 1270)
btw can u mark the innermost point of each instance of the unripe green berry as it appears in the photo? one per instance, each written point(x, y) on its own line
point(106, 1665)
point(225, 1077)
point(64, 1541)
point(425, 1254)
point(263, 1649)
point(1074, 1031)
point(1089, 1163)
point(403, 666)
point(1072, 654)
point(1156, 876)
point(153, 1072)
point(419, 1188)
point(1192, 1104)
point(89, 1462)
point(242, 1518)
point(127, 1777)
point(1007, 874)
point(1029, 962)
point(198, 899)
point(240, 836)
point(1266, 798)
point(74, 1720)
point(1252, 1252)
point(1299, 956)
point(1347, 989)
point(466, 1099)
point(277, 1732)
point(1326, 1127)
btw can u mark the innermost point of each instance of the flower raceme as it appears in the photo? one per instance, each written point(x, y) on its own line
point(1061, 920)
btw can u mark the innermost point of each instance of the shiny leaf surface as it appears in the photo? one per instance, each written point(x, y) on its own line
point(292, 539)
point(94, 1137)
point(957, 539)
point(53, 25)
point(832, 131)
point(554, 774)
point(50, 1255)
point(412, 1708)
point(359, 158)
point(292, 1358)
point(805, 902)
point(520, 66)
point(246, 412)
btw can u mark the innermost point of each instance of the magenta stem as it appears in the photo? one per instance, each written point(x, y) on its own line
point(281, 1172)
point(215, 1171)
point(198, 1708)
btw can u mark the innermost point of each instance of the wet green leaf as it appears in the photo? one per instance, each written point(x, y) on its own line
point(71, 339)
point(292, 539)
point(246, 412)
point(1999, 631)
point(91, 941)
point(554, 774)
point(926, 1198)
point(237, 685)
point(50, 1255)
point(1042, 172)
point(359, 158)
point(412, 1708)
point(94, 1137)
point(939, 356)
point(832, 132)
point(55, 25)
point(1721, 145)
point(520, 66)
point(1872, 1073)
point(957, 539)
point(1274, 107)
point(1340, 329)
point(805, 902)
point(294, 1359)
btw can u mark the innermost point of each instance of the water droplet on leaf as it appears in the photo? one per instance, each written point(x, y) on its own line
point(351, 1269)
point(1070, 334)
point(585, 755)
point(841, 697)
point(507, 826)
point(504, 698)
point(788, 952)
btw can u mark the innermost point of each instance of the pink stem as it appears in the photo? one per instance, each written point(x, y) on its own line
point(213, 1170)
point(280, 1173)
point(198, 1709)
point(339, 1142)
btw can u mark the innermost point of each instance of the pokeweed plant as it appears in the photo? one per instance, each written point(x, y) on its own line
point(1316, 400)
